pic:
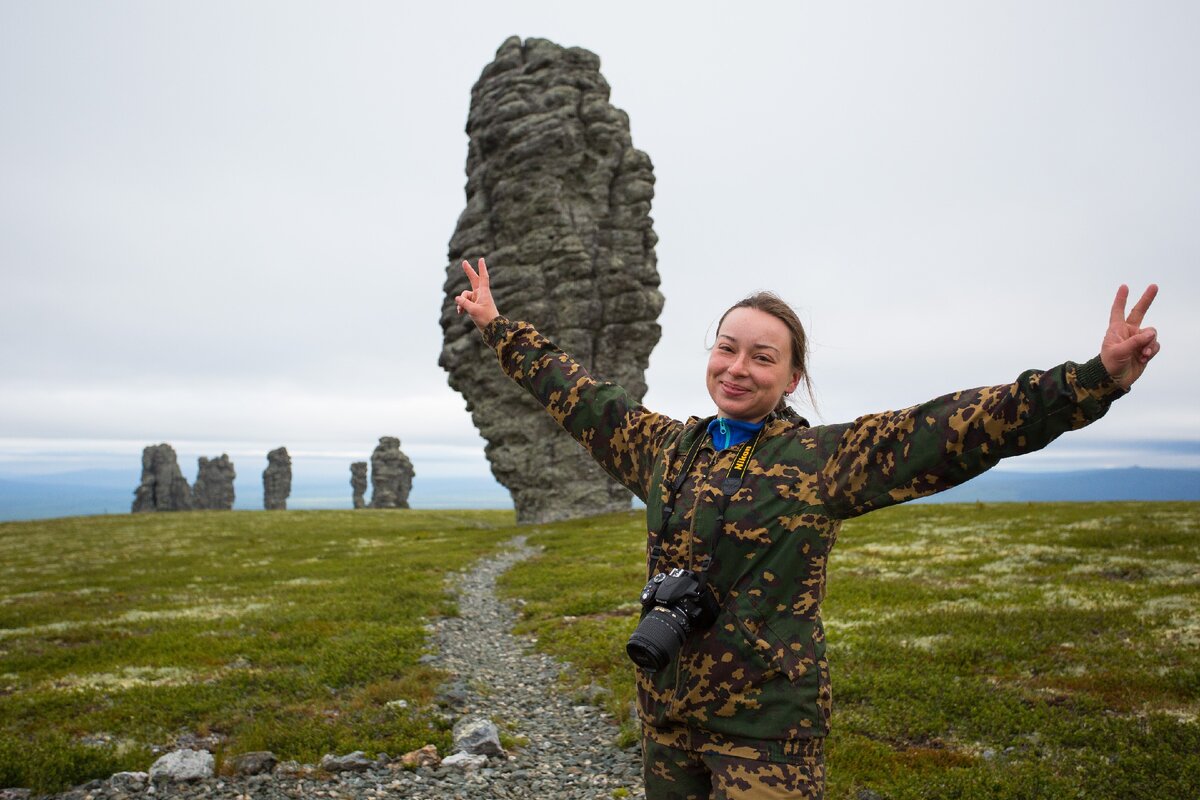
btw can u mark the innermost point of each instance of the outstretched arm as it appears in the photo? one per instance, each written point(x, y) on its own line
point(477, 301)
point(1127, 347)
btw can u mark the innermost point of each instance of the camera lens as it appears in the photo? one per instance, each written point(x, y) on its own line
point(657, 638)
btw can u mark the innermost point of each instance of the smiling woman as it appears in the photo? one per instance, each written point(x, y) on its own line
point(760, 355)
point(733, 681)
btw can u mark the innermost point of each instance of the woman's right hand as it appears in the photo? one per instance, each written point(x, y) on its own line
point(477, 301)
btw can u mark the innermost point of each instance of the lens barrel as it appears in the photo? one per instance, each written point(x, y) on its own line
point(657, 638)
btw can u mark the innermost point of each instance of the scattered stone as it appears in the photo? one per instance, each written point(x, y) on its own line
point(15, 794)
point(391, 475)
point(465, 761)
point(358, 482)
point(454, 695)
point(277, 480)
point(559, 196)
point(427, 756)
point(129, 781)
point(477, 736)
point(257, 762)
point(352, 762)
point(561, 749)
point(213, 489)
point(868, 794)
point(163, 487)
point(183, 765)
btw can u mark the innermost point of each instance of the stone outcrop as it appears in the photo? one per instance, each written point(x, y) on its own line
point(277, 480)
point(163, 487)
point(391, 475)
point(213, 489)
point(358, 482)
point(558, 201)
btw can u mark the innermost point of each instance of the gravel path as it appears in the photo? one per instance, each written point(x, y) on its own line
point(569, 754)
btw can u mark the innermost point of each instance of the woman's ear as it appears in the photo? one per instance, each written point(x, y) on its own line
point(795, 381)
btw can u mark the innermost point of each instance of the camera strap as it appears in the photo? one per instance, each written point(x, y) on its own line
point(729, 487)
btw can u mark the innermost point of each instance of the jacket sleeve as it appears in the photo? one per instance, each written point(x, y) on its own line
point(620, 433)
point(883, 459)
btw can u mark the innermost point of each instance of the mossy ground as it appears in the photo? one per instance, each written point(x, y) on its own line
point(282, 631)
point(1002, 651)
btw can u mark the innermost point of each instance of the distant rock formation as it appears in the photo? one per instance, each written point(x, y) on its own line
point(358, 482)
point(558, 200)
point(391, 475)
point(214, 484)
point(277, 480)
point(163, 486)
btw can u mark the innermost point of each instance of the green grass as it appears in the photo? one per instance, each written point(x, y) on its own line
point(1001, 652)
point(282, 631)
point(1004, 651)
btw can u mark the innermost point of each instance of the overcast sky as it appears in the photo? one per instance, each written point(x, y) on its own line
point(224, 225)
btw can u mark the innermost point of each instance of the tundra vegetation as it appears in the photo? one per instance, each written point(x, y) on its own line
point(1002, 651)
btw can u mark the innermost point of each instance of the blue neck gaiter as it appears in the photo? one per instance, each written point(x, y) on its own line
point(730, 432)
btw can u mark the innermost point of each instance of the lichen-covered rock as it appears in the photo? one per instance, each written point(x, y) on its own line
point(183, 765)
point(558, 200)
point(277, 480)
point(213, 489)
point(391, 475)
point(358, 482)
point(163, 487)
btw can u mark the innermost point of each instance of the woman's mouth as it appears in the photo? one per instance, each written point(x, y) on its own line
point(733, 390)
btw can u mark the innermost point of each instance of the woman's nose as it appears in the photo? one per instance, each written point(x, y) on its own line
point(738, 366)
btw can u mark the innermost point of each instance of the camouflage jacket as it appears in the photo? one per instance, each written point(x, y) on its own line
point(759, 677)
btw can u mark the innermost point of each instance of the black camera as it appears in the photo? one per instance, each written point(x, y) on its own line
point(674, 605)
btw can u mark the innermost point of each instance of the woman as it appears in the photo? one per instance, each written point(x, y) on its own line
point(746, 506)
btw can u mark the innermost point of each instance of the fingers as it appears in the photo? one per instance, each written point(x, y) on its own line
point(1147, 344)
point(1116, 316)
point(472, 275)
point(1142, 305)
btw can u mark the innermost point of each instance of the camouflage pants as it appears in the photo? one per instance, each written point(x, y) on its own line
point(675, 774)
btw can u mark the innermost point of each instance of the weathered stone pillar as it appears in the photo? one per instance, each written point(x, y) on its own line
point(214, 484)
point(391, 475)
point(277, 480)
point(163, 487)
point(558, 201)
point(358, 482)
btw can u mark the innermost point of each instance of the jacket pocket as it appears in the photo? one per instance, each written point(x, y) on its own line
point(792, 659)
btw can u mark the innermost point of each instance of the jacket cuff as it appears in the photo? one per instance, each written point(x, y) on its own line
point(1092, 375)
point(495, 331)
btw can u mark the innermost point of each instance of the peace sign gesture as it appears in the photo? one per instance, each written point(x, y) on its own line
point(1128, 347)
point(477, 301)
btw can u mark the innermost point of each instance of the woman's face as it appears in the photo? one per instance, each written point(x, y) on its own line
point(750, 366)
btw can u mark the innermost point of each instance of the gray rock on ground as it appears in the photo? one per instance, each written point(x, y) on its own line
point(391, 475)
point(477, 736)
point(256, 762)
point(351, 762)
point(465, 761)
point(184, 765)
point(558, 200)
point(277, 480)
point(213, 489)
point(358, 483)
point(163, 487)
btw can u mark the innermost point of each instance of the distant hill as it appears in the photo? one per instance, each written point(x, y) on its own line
point(111, 491)
point(1129, 483)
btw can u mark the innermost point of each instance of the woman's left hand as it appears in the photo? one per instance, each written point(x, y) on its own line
point(1128, 347)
